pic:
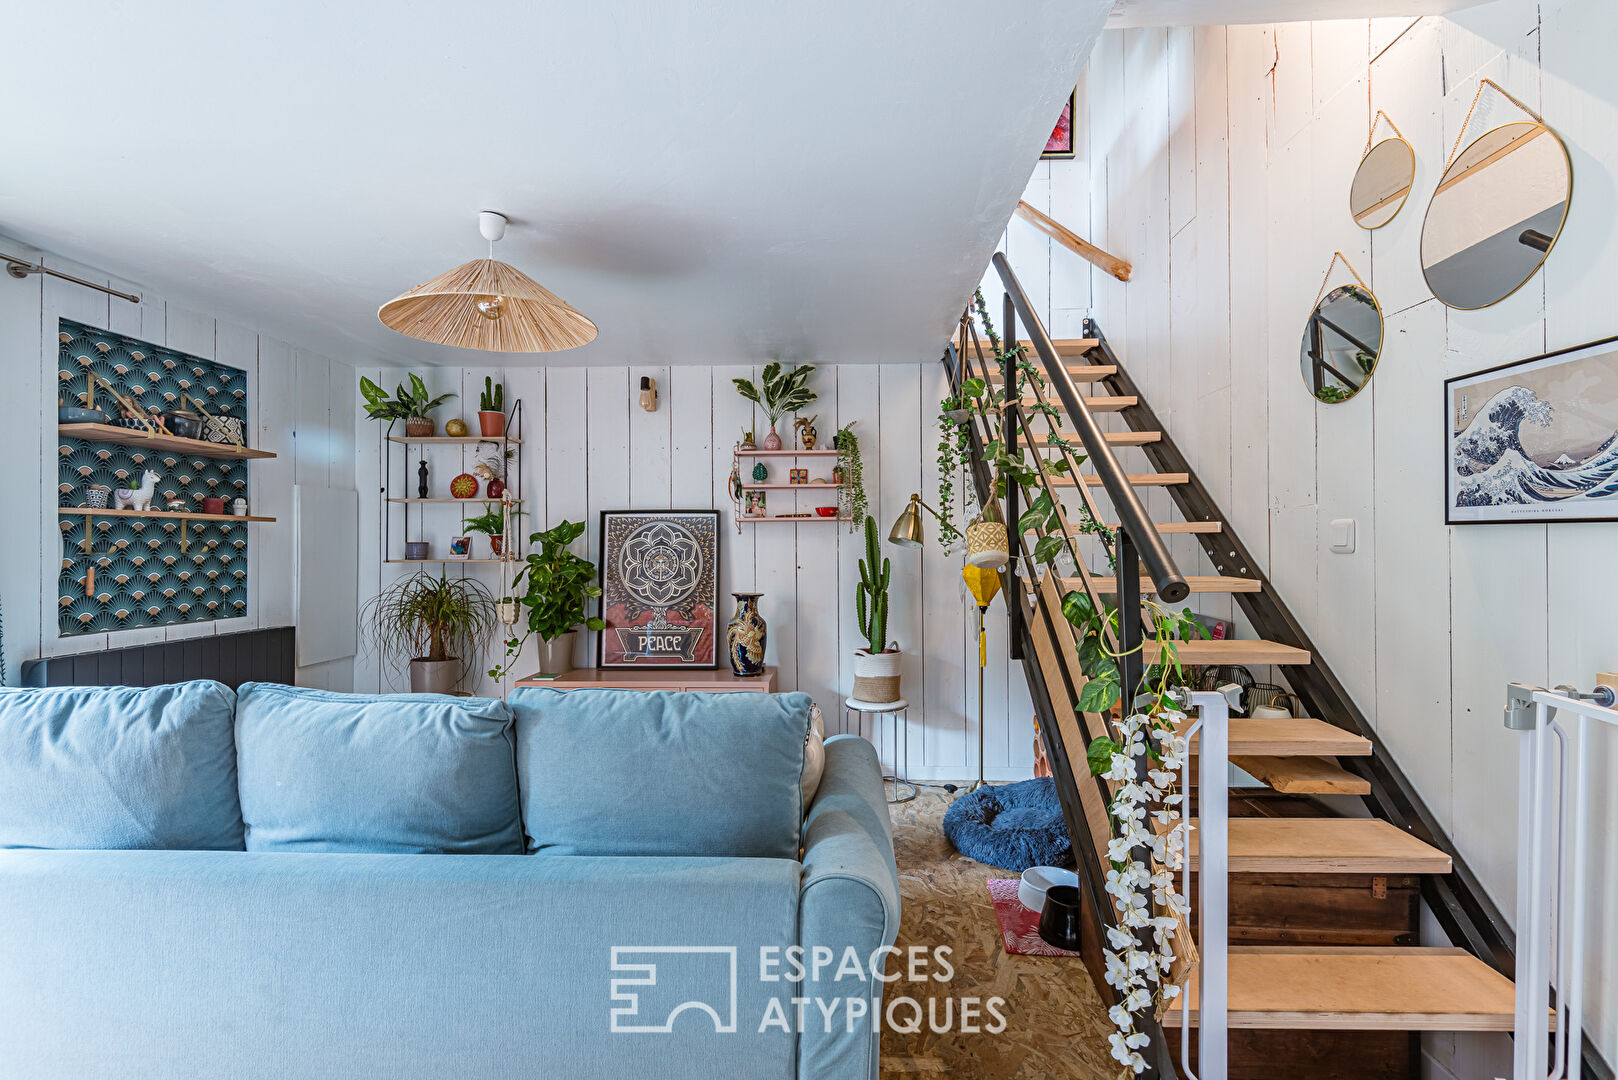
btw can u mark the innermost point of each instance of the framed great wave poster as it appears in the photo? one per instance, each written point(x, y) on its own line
point(659, 589)
point(1535, 440)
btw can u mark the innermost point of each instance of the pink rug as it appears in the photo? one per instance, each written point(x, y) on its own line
point(1019, 927)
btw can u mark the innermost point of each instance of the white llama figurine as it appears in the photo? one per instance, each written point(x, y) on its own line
point(138, 498)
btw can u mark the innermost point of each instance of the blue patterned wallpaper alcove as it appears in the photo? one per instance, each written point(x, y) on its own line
point(142, 578)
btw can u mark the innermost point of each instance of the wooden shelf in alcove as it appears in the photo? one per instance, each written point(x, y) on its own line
point(134, 437)
point(85, 511)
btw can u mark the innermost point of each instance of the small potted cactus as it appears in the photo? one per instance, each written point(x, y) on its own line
point(876, 667)
point(492, 409)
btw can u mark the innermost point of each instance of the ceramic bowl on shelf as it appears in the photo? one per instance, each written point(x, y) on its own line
point(183, 424)
point(1036, 880)
point(826, 511)
point(70, 414)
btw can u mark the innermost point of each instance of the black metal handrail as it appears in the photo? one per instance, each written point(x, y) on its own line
point(1133, 521)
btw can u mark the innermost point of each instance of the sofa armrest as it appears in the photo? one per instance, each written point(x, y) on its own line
point(849, 899)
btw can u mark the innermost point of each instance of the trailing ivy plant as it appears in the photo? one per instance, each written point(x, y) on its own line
point(559, 584)
point(851, 501)
point(954, 446)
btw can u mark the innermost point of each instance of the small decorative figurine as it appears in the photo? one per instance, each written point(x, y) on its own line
point(806, 431)
point(421, 479)
point(797, 476)
point(760, 473)
point(456, 428)
point(137, 498)
point(747, 441)
point(239, 507)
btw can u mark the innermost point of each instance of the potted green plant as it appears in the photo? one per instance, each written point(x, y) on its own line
point(492, 523)
point(850, 473)
point(410, 405)
point(779, 393)
point(492, 409)
point(559, 583)
point(440, 623)
point(876, 667)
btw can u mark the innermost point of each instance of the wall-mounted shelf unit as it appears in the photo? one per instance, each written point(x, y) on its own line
point(511, 472)
point(785, 453)
point(85, 511)
point(161, 441)
point(812, 519)
point(791, 487)
point(461, 440)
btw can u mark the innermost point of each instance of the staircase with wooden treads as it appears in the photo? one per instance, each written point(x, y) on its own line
point(1330, 849)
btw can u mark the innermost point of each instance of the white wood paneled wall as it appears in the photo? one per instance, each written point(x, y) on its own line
point(589, 447)
point(1217, 160)
point(302, 405)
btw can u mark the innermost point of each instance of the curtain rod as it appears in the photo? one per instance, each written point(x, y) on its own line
point(21, 268)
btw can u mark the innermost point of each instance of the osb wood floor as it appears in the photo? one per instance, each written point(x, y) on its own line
point(1055, 1023)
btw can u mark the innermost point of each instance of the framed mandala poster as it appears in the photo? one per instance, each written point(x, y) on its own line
point(1535, 440)
point(659, 589)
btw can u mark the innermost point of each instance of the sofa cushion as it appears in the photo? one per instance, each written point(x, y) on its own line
point(392, 773)
point(119, 767)
point(628, 772)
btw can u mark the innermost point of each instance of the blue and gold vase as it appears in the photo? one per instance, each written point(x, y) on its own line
point(746, 636)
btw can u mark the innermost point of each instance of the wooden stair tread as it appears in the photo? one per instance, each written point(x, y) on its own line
point(1167, 527)
point(1237, 651)
point(1288, 736)
point(1368, 988)
point(1114, 438)
point(1325, 845)
point(1095, 404)
point(1297, 775)
point(1199, 584)
point(1076, 346)
point(1151, 479)
point(1091, 372)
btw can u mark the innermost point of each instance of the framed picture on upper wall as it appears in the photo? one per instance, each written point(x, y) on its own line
point(1060, 144)
point(659, 589)
point(1535, 440)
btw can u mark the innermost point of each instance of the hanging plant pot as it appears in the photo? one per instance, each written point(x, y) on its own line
point(507, 609)
point(419, 427)
point(959, 416)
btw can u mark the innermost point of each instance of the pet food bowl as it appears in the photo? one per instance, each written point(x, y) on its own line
point(826, 511)
point(1036, 879)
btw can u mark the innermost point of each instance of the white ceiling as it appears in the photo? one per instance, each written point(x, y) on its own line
point(709, 181)
point(1129, 13)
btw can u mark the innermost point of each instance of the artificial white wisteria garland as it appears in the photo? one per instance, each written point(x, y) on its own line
point(1144, 894)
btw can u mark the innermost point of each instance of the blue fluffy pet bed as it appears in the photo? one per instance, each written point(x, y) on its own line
point(1011, 825)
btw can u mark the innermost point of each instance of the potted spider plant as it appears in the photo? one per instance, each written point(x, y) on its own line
point(411, 405)
point(440, 623)
point(559, 585)
point(780, 392)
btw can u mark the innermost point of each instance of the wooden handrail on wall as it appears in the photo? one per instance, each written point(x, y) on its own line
point(1081, 247)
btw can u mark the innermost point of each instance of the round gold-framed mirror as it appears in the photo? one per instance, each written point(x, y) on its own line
point(1495, 215)
point(1342, 342)
point(1382, 183)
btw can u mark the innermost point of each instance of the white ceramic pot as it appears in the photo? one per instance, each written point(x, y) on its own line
point(1037, 879)
point(876, 675)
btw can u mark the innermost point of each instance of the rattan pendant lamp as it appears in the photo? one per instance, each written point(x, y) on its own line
point(487, 305)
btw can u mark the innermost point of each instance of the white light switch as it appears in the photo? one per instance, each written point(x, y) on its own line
point(1342, 536)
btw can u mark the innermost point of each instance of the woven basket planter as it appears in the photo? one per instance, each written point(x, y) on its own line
point(876, 675)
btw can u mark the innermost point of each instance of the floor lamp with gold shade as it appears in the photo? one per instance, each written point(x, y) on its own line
point(488, 305)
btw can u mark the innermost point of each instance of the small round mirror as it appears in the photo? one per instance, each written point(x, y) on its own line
point(1382, 183)
point(1496, 214)
point(1341, 344)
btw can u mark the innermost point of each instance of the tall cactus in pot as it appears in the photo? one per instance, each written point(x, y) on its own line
point(876, 667)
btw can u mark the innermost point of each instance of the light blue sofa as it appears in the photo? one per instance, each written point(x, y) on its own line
point(250, 893)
